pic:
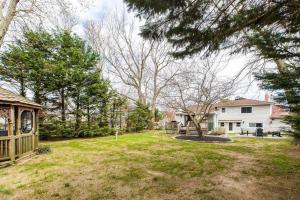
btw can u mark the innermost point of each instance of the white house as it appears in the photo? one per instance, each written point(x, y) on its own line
point(243, 114)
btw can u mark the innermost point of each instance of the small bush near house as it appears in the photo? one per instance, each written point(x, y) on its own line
point(218, 131)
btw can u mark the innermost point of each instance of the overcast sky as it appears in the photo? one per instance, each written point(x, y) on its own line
point(101, 9)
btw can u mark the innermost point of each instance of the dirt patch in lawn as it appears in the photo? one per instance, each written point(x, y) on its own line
point(246, 181)
point(295, 153)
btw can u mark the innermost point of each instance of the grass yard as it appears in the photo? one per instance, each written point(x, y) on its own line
point(153, 165)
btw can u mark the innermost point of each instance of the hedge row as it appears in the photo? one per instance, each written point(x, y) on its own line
point(49, 131)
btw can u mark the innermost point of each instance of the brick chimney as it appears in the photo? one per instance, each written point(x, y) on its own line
point(267, 98)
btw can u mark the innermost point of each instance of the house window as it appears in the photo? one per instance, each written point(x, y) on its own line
point(222, 124)
point(238, 124)
point(257, 125)
point(246, 109)
point(223, 110)
point(26, 121)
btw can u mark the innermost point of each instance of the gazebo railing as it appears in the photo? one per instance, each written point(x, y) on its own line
point(5, 148)
point(22, 144)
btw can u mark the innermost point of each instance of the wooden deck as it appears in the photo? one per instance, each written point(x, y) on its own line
point(175, 128)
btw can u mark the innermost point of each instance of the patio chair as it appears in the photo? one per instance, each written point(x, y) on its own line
point(243, 132)
point(276, 133)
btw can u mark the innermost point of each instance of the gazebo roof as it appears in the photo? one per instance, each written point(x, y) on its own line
point(9, 97)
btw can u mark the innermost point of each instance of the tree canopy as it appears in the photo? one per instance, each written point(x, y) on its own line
point(211, 25)
point(60, 70)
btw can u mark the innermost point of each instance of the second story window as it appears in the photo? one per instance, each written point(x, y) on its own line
point(223, 110)
point(246, 109)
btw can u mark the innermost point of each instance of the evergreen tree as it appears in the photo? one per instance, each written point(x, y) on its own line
point(13, 69)
point(72, 60)
point(287, 84)
point(118, 103)
point(97, 91)
point(27, 61)
point(195, 26)
point(139, 118)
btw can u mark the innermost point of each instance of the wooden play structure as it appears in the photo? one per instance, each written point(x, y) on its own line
point(19, 130)
point(176, 128)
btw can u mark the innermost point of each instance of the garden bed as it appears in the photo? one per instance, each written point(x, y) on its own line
point(205, 138)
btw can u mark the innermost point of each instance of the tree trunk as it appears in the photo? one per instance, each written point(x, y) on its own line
point(120, 119)
point(77, 125)
point(37, 97)
point(22, 88)
point(199, 130)
point(281, 66)
point(5, 21)
point(63, 105)
point(141, 97)
point(112, 117)
point(152, 116)
point(88, 116)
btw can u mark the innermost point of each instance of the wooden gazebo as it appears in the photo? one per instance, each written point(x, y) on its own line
point(18, 126)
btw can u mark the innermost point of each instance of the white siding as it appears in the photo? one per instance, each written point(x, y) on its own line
point(260, 114)
point(278, 124)
point(180, 118)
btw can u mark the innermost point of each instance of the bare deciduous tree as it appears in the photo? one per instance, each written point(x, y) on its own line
point(95, 39)
point(143, 65)
point(128, 55)
point(163, 69)
point(17, 14)
point(8, 10)
point(196, 90)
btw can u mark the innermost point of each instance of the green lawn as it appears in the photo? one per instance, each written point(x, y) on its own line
point(153, 165)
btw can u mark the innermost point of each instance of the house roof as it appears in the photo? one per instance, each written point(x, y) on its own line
point(198, 108)
point(278, 112)
point(170, 115)
point(243, 102)
point(237, 102)
point(7, 96)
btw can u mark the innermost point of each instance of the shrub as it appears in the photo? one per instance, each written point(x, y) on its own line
point(218, 131)
point(57, 130)
point(138, 119)
point(43, 150)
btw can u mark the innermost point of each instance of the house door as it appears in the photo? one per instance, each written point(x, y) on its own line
point(210, 126)
point(230, 126)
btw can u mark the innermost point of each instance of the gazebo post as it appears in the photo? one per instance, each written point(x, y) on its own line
point(36, 133)
point(11, 134)
point(18, 128)
point(34, 129)
point(18, 122)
